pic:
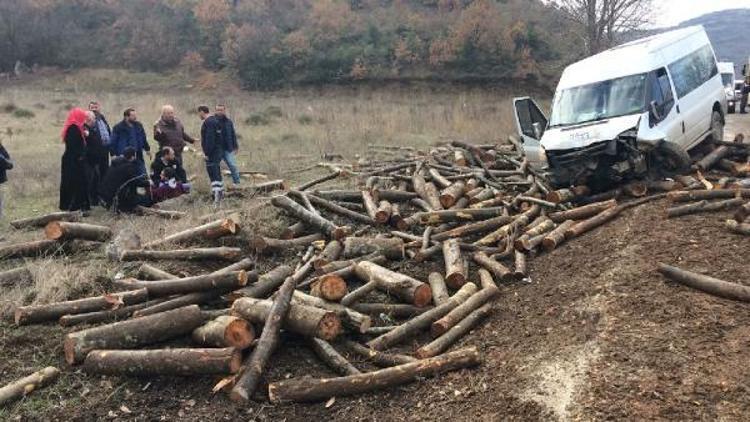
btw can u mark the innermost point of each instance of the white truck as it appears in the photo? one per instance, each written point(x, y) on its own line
point(728, 78)
point(633, 109)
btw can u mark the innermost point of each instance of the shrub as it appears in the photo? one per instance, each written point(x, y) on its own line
point(8, 108)
point(305, 119)
point(273, 111)
point(22, 113)
point(258, 119)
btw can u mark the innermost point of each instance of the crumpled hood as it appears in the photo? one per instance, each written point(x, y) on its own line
point(569, 137)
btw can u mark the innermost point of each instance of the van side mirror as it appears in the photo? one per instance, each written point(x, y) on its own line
point(538, 130)
point(653, 113)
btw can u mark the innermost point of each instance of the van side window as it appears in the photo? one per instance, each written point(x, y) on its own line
point(693, 70)
point(661, 91)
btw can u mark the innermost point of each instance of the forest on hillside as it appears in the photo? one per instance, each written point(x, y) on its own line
point(266, 43)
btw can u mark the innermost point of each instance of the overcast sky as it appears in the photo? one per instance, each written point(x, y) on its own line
point(673, 12)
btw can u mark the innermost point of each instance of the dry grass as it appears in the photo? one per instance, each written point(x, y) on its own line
point(294, 129)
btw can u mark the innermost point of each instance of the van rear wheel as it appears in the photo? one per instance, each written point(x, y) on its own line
point(717, 127)
point(668, 159)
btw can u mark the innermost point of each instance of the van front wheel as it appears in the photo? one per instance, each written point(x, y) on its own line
point(668, 159)
point(717, 127)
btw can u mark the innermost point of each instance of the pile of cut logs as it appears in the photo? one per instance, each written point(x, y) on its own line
point(471, 216)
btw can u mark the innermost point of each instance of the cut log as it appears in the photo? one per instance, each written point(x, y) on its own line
point(523, 243)
point(383, 360)
point(422, 322)
point(112, 315)
point(225, 331)
point(16, 277)
point(229, 254)
point(439, 289)
point(309, 218)
point(29, 249)
point(338, 209)
point(474, 228)
point(519, 267)
point(461, 311)
point(713, 157)
point(699, 195)
point(264, 187)
point(391, 248)
point(742, 213)
point(663, 185)
point(704, 206)
point(397, 220)
point(329, 287)
point(489, 203)
point(500, 271)
point(593, 222)
point(485, 279)
point(25, 315)
point(636, 189)
point(310, 389)
point(266, 284)
point(213, 230)
point(305, 320)
point(318, 181)
point(739, 228)
point(179, 362)
point(583, 212)
point(295, 230)
point(277, 315)
point(156, 212)
point(132, 333)
point(62, 230)
point(394, 310)
point(26, 385)
point(706, 284)
point(442, 343)
point(406, 288)
point(181, 301)
point(438, 179)
point(371, 206)
point(556, 237)
point(359, 293)
point(485, 195)
point(377, 331)
point(354, 196)
point(349, 263)
point(455, 273)
point(150, 272)
point(43, 220)
point(513, 227)
point(330, 253)
point(427, 191)
point(356, 321)
point(452, 193)
point(267, 245)
point(566, 195)
point(459, 157)
point(208, 282)
point(383, 213)
point(332, 358)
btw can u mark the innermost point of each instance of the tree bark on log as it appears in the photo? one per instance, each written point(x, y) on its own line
point(455, 273)
point(406, 288)
point(225, 331)
point(517, 224)
point(108, 315)
point(423, 321)
point(582, 212)
point(500, 271)
point(29, 249)
point(450, 195)
point(229, 254)
point(181, 301)
point(43, 220)
point(394, 310)
point(309, 218)
point(371, 207)
point(439, 289)
point(519, 267)
point(330, 287)
point(461, 311)
point(566, 195)
point(266, 284)
point(523, 243)
point(391, 248)
point(255, 366)
point(343, 265)
point(359, 293)
point(704, 206)
point(593, 222)
point(713, 157)
point(149, 272)
point(438, 179)
point(474, 228)
point(62, 230)
point(556, 237)
point(383, 360)
point(442, 343)
point(295, 230)
point(330, 253)
point(25, 315)
point(383, 213)
point(268, 245)
point(179, 362)
point(318, 181)
point(304, 320)
point(309, 389)
point(332, 358)
point(213, 230)
point(15, 277)
point(338, 209)
point(713, 286)
point(26, 385)
point(132, 333)
point(427, 191)
point(739, 228)
point(699, 195)
point(742, 213)
point(166, 214)
point(450, 216)
point(201, 283)
point(355, 321)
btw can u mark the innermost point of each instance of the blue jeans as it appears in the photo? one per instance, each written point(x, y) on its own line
point(231, 161)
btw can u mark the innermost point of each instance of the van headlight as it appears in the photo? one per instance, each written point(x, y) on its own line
point(543, 155)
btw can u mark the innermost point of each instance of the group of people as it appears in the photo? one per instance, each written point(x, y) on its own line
point(106, 166)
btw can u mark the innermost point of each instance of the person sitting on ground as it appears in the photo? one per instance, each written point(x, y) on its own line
point(169, 132)
point(5, 165)
point(169, 187)
point(119, 189)
point(166, 158)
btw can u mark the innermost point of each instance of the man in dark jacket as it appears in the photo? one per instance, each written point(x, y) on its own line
point(228, 139)
point(130, 133)
point(213, 152)
point(169, 132)
point(5, 165)
point(119, 189)
point(99, 155)
point(166, 158)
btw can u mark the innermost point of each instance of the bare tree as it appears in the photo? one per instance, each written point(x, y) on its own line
point(603, 20)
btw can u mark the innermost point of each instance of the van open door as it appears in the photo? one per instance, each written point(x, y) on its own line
point(530, 123)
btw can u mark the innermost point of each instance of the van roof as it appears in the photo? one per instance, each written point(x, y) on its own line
point(726, 67)
point(639, 56)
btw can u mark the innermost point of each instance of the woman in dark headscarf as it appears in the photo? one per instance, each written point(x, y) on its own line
point(73, 180)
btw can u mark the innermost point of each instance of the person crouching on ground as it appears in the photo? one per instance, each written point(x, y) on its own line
point(74, 195)
point(166, 158)
point(169, 187)
point(5, 165)
point(119, 189)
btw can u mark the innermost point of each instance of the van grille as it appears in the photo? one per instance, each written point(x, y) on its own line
point(568, 157)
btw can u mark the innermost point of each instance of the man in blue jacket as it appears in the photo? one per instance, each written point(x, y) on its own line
point(213, 152)
point(130, 133)
point(228, 139)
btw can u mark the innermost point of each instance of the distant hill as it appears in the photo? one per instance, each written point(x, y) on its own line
point(728, 33)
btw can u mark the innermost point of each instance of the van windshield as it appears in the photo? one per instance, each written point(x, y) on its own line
point(601, 100)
